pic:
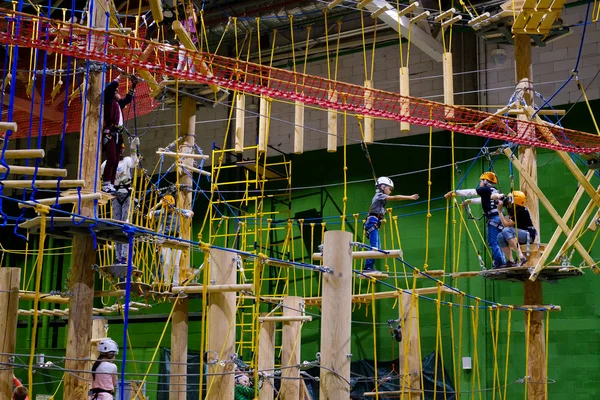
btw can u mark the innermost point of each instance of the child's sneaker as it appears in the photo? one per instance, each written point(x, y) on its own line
point(370, 270)
point(108, 188)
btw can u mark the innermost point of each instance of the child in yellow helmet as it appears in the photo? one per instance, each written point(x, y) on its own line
point(488, 197)
point(518, 227)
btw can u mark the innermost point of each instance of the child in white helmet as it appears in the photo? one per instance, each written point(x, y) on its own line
point(104, 371)
point(384, 187)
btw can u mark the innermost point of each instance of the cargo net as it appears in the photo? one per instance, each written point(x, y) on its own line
point(162, 60)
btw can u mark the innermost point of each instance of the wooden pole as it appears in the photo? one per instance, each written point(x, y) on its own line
point(179, 347)
point(221, 320)
point(266, 358)
point(290, 349)
point(179, 326)
point(410, 382)
point(79, 328)
point(336, 316)
point(532, 291)
point(332, 127)
point(448, 84)
point(263, 123)
point(98, 333)
point(404, 105)
point(240, 114)
point(10, 279)
point(369, 121)
point(299, 128)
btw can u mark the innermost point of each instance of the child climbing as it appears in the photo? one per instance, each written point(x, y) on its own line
point(112, 138)
point(122, 200)
point(184, 61)
point(518, 227)
point(384, 187)
point(243, 388)
point(104, 371)
point(20, 392)
point(488, 198)
point(169, 224)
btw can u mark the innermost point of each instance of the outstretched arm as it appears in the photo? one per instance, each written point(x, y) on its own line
point(403, 197)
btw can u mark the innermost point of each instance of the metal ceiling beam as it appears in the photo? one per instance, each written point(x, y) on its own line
point(418, 37)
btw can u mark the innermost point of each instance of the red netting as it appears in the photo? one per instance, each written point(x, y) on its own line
point(261, 80)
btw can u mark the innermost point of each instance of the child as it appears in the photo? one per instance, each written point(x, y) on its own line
point(184, 61)
point(169, 218)
point(20, 392)
point(122, 200)
point(112, 139)
point(488, 198)
point(104, 372)
point(384, 187)
point(243, 388)
point(518, 227)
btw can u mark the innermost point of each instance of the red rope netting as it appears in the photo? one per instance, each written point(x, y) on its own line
point(98, 45)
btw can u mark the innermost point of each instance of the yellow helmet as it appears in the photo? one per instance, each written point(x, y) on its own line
point(168, 200)
point(489, 176)
point(519, 198)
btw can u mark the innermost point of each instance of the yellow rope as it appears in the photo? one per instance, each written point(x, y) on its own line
point(547, 342)
point(510, 308)
point(374, 339)
point(345, 198)
point(527, 331)
point(587, 103)
point(428, 215)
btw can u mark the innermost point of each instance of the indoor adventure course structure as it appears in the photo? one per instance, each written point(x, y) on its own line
point(154, 245)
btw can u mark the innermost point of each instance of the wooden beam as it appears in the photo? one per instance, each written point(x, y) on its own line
point(179, 350)
point(157, 10)
point(24, 154)
point(290, 348)
point(19, 170)
point(298, 127)
point(409, 363)
point(8, 126)
point(10, 279)
point(44, 298)
point(62, 200)
point(163, 152)
point(46, 184)
point(300, 318)
point(404, 101)
point(240, 114)
point(362, 255)
point(332, 126)
point(448, 84)
point(98, 333)
point(198, 289)
point(79, 327)
point(583, 218)
point(369, 128)
point(551, 210)
point(263, 123)
point(221, 319)
point(266, 358)
point(336, 316)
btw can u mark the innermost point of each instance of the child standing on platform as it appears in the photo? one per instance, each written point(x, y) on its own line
point(384, 187)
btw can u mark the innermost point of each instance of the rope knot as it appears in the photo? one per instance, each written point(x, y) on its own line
point(42, 209)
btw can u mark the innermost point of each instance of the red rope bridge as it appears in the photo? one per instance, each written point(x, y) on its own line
point(116, 49)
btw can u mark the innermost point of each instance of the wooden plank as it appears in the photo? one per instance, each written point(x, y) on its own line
point(290, 348)
point(19, 170)
point(197, 289)
point(404, 101)
point(369, 127)
point(179, 350)
point(264, 123)
point(574, 235)
point(8, 126)
point(240, 114)
point(157, 10)
point(336, 316)
point(221, 319)
point(298, 127)
point(266, 358)
point(409, 363)
point(332, 126)
point(98, 333)
point(10, 279)
point(62, 200)
point(23, 154)
point(46, 184)
point(448, 74)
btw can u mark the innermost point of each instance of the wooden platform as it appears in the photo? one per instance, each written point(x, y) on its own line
point(106, 229)
point(203, 93)
point(119, 271)
point(373, 275)
point(139, 289)
point(268, 173)
point(550, 273)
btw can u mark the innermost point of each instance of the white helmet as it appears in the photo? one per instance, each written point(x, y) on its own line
point(108, 346)
point(384, 180)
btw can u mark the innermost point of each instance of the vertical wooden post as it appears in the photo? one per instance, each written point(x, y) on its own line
point(221, 320)
point(290, 349)
point(332, 127)
point(369, 121)
point(79, 330)
point(179, 348)
point(532, 291)
point(405, 104)
point(98, 333)
point(266, 358)
point(179, 325)
point(409, 370)
point(299, 128)
point(336, 316)
point(263, 124)
point(10, 279)
point(240, 114)
point(448, 84)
